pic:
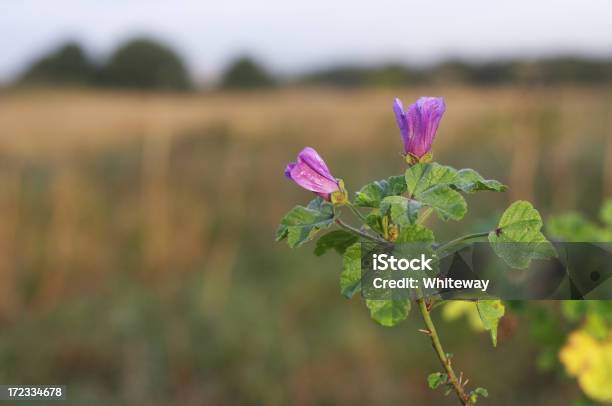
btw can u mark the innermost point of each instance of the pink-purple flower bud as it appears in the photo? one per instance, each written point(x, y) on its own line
point(311, 173)
point(418, 126)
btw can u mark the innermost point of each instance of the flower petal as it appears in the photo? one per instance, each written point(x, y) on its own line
point(423, 119)
point(312, 158)
point(305, 176)
point(288, 169)
point(402, 122)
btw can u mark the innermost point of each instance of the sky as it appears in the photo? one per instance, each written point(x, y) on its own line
point(293, 37)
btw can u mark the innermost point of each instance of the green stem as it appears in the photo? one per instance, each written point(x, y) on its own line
point(377, 237)
point(435, 341)
point(431, 328)
point(362, 218)
point(359, 233)
point(357, 212)
point(459, 240)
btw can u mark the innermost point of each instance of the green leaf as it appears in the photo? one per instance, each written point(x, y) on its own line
point(596, 326)
point(436, 379)
point(574, 227)
point(350, 278)
point(469, 181)
point(518, 239)
point(481, 392)
point(573, 310)
point(606, 213)
point(431, 184)
point(319, 204)
point(415, 233)
point(478, 392)
point(301, 224)
point(374, 220)
point(421, 177)
point(447, 203)
point(388, 312)
point(338, 240)
point(490, 312)
point(372, 194)
point(601, 308)
point(521, 222)
point(282, 230)
point(403, 211)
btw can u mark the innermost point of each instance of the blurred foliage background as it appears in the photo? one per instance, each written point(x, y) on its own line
point(138, 215)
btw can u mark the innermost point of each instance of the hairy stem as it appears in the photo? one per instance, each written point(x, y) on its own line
point(461, 239)
point(361, 217)
point(359, 233)
point(356, 212)
point(446, 363)
point(458, 386)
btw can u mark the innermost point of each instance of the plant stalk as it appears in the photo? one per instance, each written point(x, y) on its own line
point(464, 398)
point(361, 217)
point(461, 239)
point(356, 212)
point(446, 363)
point(360, 233)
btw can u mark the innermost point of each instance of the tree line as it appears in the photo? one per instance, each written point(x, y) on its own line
point(147, 64)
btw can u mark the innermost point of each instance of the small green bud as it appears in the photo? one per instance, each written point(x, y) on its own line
point(393, 232)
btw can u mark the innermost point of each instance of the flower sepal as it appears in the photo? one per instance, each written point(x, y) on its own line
point(340, 196)
point(412, 159)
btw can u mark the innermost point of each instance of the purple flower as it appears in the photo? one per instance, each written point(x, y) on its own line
point(418, 125)
point(311, 173)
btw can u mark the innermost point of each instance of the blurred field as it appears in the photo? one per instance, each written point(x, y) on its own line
point(137, 258)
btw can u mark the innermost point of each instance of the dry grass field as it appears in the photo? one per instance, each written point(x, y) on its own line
point(136, 235)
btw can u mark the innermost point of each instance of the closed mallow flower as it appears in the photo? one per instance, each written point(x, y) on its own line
point(310, 172)
point(418, 126)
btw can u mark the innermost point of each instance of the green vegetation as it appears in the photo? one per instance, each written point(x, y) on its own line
point(551, 71)
point(138, 64)
point(245, 73)
point(67, 65)
point(145, 64)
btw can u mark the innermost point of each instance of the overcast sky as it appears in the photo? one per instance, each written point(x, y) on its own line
point(292, 36)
